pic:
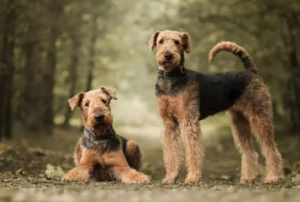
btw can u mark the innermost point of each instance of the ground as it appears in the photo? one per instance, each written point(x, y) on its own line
point(23, 162)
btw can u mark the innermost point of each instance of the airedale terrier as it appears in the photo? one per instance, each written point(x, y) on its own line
point(184, 97)
point(101, 154)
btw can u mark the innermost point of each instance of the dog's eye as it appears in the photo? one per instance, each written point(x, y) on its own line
point(87, 104)
point(104, 101)
point(176, 42)
point(161, 41)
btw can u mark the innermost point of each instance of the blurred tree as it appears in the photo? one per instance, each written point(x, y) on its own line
point(7, 66)
point(91, 62)
point(43, 29)
point(54, 12)
point(72, 78)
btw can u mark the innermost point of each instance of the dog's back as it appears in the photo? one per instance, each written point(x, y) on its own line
point(219, 91)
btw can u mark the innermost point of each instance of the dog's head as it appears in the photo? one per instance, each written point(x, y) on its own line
point(95, 108)
point(170, 48)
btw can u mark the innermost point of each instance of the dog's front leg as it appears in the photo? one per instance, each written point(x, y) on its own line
point(80, 173)
point(171, 151)
point(85, 168)
point(117, 160)
point(194, 150)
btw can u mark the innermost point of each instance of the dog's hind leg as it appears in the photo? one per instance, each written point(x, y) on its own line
point(241, 132)
point(256, 105)
point(133, 155)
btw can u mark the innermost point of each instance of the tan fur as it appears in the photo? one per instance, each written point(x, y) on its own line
point(171, 146)
point(83, 171)
point(179, 114)
point(242, 137)
point(186, 42)
point(107, 165)
point(111, 92)
point(185, 109)
point(226, 46)
point(134, 155)
point(165, 41)
point(188, 116)
point(235, 49)
point(77, 153)
point(256, 106)
point(121, 168)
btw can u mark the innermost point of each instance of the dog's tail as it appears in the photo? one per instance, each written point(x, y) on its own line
point(235, 49)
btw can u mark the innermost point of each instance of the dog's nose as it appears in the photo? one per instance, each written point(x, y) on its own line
point(99, 117)
point(168, 56)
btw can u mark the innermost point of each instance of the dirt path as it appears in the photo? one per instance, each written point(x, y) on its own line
point(23, 165)
point(44, 191)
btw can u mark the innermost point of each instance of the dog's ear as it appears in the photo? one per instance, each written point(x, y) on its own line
point(186, 42)
point(75, 101)
point(152, 41)
point(110, 92)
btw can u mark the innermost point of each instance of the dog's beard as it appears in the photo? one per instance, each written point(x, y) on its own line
point(100, 128)
point(168, 65)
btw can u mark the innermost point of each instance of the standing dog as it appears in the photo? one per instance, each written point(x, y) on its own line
point(101, 154)
point(184, 97)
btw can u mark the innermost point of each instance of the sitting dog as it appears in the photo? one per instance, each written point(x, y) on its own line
point(184, 97)
point(101, 154)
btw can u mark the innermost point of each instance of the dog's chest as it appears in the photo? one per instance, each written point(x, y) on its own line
point(170, 86)
point(176, 107)
point(177, 97)
point(94, 151)
point(101, 146)
point(91, 156)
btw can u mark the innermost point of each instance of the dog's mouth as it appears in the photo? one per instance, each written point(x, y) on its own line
point(99, 129)
point(167, 65)
point(99, 124)
point(167, 62)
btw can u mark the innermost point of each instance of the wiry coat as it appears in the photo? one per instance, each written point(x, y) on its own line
point(101, 154)
point(184, 97)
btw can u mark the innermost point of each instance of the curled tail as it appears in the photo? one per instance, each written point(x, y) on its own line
point(235, 49)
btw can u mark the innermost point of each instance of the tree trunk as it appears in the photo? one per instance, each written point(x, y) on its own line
point(294, 64)
point(7, 70)
point(48, 81)
point(2, 82)
point(72, 78)
point(30, 116)
point(91, 63)
point(295, 90)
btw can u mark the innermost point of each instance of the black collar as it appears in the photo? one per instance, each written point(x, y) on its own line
point(93, 137)
point(176, 72)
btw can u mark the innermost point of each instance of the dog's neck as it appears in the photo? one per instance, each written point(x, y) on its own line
point(110, 134)
point(175, 72)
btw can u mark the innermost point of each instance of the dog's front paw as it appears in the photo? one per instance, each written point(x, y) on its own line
point(246, 181)
point(192, 178)
point(77, 174)
point(273, 179)
point(142, 179)
point(169, 180)
point(134, 177)
point(70, 176)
